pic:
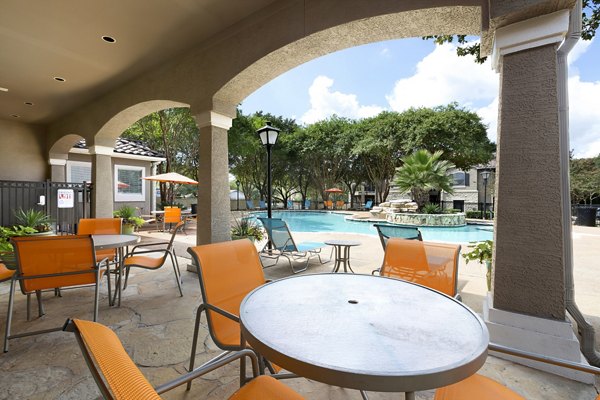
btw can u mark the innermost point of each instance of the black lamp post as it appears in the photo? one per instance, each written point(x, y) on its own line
point(237, 184)
point(485, 175)
point(268, 137)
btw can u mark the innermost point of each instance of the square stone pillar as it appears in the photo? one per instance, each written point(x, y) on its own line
point(214, 213)
point(102, 191)
point(528, 307)
point(58, 171)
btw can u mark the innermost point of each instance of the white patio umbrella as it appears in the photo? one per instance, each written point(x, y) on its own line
point(172, 177)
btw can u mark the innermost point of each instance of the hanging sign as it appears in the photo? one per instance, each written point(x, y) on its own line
point(65, 198)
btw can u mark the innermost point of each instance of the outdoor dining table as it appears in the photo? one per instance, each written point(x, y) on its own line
point(342, 253)
point(119, 242)
point(364, 332)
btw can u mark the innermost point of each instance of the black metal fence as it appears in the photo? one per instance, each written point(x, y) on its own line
point(65, 212)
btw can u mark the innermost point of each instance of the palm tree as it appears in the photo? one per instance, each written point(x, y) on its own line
point(421, 172)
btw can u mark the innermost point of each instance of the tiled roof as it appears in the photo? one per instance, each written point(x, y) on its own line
point(127, 146)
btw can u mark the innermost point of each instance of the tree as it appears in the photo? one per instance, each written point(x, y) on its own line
point(174, 133)
point(590, 22)
point(585, 180)
point(421, 172)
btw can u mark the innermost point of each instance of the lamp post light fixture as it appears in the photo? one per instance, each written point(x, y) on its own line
point(485, 176)
point(268, 137)
point(237, 184)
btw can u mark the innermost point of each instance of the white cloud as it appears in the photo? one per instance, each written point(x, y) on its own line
point(584, 117)
point(443, 77)
point(324, 103)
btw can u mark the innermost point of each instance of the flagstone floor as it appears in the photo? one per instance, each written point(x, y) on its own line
point(156, 327)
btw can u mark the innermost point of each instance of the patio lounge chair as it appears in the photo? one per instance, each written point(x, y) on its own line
point(49, 262)
point(282, 244)
point(328, 204)
point(250, 205)
point(430, 264)
point(340, 204)
point(387, 231)
point(307, 204)
point(227, 272)
point(290, 205)
point(119, 378)
point(368, 205)
point(262, 205)
point(141, 257)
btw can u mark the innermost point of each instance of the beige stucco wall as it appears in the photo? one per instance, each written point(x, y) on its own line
point(22, 149)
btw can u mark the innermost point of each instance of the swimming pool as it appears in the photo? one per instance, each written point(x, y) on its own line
point(307, 221)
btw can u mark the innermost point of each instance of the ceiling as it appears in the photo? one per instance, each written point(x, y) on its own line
point(42, 40)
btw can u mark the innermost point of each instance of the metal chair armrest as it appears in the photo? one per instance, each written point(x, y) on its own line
point(132, 254)
point(185, 378)
point(147, 245)
point(222, 312)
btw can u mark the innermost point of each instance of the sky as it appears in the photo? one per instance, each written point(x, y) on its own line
point(398, 74)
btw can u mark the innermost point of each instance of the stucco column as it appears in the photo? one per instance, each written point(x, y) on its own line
point(528, 307)
point(58, 165)
point(102, 192)
point(213, 179)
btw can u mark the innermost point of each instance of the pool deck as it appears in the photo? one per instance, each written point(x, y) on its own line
point(155, 325)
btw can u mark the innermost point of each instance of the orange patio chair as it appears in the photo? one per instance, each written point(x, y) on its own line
point(476, 387)
point(119, 378)
point(172, 216)
point(101, 226)
point(48, 262)
point(434, 265)
point(227, 272)
point(141, 256)
point(339, 204)
point(328, 204)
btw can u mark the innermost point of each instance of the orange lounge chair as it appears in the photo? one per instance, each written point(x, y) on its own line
point(119, 378)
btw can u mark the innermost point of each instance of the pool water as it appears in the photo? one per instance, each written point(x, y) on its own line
point(307, 221)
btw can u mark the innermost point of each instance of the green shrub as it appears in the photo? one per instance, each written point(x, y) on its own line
point(478, 214)
point(431, 208)
point(128, 214)
point(36, 219)
point(246, 228)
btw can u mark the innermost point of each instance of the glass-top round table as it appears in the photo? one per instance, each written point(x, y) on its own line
point(364, 332)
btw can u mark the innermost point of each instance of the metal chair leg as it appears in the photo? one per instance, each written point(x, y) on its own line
point(28, 307)
point(175, 268)
point(9, 313)
point(194, 343)
point(38, 294)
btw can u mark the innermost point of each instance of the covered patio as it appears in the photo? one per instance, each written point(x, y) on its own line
point(156, 326)
point(71, 71)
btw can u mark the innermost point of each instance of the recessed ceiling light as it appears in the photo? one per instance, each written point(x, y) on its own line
point(28, 103)
point(3, 89)
point(59, 79)
point(15, 116)
point(109, 39)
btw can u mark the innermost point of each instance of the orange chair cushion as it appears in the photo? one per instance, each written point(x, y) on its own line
point(5, 273)
point(476, 387)
point(265, 388)
point(122, 376)
point(145, 262)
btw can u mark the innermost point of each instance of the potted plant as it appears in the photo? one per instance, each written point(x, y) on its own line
point(36, 219)
point(482, 252)
point(130, 220)
point(246, 228)
point(7, 255)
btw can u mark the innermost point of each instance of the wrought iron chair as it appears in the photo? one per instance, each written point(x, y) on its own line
point(282, 244)
point(49, 262)
point(386, 231)
point(119, 378)
point(141, 257)
point(434, 265)
point(227, 272)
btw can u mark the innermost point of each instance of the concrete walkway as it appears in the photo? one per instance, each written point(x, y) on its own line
point(156, 326)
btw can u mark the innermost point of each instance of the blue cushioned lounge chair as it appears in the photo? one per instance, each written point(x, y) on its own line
point(307, 204)
point(283, 245)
